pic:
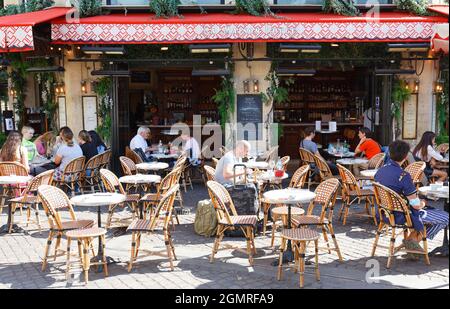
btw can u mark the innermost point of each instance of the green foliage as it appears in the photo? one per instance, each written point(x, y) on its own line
point(2, 139)
point(102, 89)
point(89, 7)
point(30, 6)
point(18, 75)
point(442, 106)
point(12, 9)
point(275, 92)
point(400, 94)
point(441, 139)
point(165, 8)
point(418, 7)
point(225, 99)
point(47, 82)
point(340, 7)
point(254, 7)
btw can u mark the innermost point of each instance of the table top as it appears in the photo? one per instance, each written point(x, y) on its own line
point(140, 178)
point(165, 156)
point(270, 176)
point(283, 210)
point(369, 173)
point(341, 155)
point(169, 132)
point(39, 160)
point(14, 179)
point(152, 166)
point(257, 164)
point(98, 199)
point(289, 196)
point(441, 192)
point(351, 161)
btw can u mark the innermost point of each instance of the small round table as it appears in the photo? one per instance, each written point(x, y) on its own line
point(261, 165)
point(441, 193)
point(10, 181)
point(98, 200)
point(140, 180)
point(352, 161)
point(162, 156)
point(152, 166)
point(289, 197)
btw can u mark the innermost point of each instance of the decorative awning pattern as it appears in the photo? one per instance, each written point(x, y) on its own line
point(16, 31)
point(221, 27)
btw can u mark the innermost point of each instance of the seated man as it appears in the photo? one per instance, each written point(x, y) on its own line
point(139, 143)
point(308, 144)
point(191, 147)
point(395, 178)
point(366, 145)
point(224, 168)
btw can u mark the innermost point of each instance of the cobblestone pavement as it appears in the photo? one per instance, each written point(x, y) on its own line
point(21, 253)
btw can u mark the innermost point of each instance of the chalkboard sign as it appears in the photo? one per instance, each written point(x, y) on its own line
point(249, 111)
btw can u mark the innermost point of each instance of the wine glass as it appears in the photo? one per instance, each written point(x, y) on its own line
point(271, 165)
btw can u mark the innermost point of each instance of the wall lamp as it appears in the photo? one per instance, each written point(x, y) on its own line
point(296, 48)
point(59, 89)
point(255, 85)
point(83, 86)
point(209, 48)
point(408, 47)
point(100, 50)
point(439, 86)
point(246, 86)
point(416, 86)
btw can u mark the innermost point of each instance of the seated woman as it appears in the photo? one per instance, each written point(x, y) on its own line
point(97, 141)
point(395, 178)
point(42, 143)
point(425, 151)
point(68, 151)
point(13, 151)
point(87, 146)
point(366, 145)
point(308, 144)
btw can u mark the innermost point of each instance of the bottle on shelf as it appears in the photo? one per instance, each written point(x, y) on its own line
point(160, 147)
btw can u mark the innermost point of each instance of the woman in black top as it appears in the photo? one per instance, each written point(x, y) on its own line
point(86, 144)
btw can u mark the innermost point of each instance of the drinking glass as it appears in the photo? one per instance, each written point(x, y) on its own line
point(271, 164)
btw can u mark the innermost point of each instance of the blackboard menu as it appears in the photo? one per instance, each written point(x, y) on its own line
point(249, 111)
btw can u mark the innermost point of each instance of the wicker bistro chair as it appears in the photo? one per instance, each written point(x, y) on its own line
point(7, 169)
point(390, 202)
point(128, 166)
point(92, 179)
point(72, 176)
point(324, 169)
point(53, 201)
point(29, 198)
point(375, 163)
point(113, 185)
point(105, 159)
point(326, 193)
point(221, 200)
point(133, 155)
point(416, 171)
point(307, 158)
point(162, 213)
point(351, 192)
point(210, 172)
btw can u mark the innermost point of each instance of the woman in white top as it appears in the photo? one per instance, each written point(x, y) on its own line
point(13, 151)
point(425, 151)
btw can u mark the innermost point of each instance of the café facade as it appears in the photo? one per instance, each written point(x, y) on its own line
point(334, 69)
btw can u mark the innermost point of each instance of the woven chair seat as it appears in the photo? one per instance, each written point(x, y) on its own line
point(364, 192)
point(283, 211)
point(308, 220)
point(83, 233)
point(361, 177)
point(29, 199)
point(77, 224)
point(150, 197)
point(240, 221)
point(132, 198)
point(138, 225)
point(302, 234)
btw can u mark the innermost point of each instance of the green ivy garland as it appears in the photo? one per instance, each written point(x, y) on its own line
point(47, 86)
point(418, 7)
point(29, 6)
point(165, 8)
point(225, 98)
point(89, 7)
point(102, 89)
point(18, 75)
point(340, 7)
point(254, 7)
point(400, 94)
point(275, 92)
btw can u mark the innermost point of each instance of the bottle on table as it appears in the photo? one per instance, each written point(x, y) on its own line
point(160, 147)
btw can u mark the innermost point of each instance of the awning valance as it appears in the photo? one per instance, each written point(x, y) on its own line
point(16, 31)
point(440, 9)
point(222, 27)
point(440, 39)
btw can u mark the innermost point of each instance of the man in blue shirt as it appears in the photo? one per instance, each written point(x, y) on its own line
point(395, 178)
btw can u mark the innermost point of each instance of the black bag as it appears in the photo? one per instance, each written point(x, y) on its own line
point(245, 200)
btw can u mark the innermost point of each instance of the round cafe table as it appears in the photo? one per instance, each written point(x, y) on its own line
point(98, 200)
point(262, 165)
point(441, 193)
point(152, 166)
point(10, 181)
point(289, 197)
point(140, 180)
point(369, 173)
point(351, 161)
point(163, 156)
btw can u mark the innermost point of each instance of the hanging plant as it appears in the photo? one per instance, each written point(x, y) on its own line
point(400, 94)
point(37, 5)
point(225, 100)
point(47, 82)
point(102, 89)
point(275, 92)
point(254, 7)
point(340, 7)
point(165, 8)
point(418, 7)
point(12, 9)
point(89, 7)
point(18, 79)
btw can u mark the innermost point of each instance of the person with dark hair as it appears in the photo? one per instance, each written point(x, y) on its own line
point(86, 144)
point(68, 151)
point(13, 151)
point(395, 178)
point(425, 151)
point(98, 142)
point(307, 143)
point(366, 145)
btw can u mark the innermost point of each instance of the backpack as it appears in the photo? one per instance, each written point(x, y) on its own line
point(205, 222)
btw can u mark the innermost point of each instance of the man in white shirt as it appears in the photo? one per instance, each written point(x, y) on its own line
point(192, 148)
point(140, 140)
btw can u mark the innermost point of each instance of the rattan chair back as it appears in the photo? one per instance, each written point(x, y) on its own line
point(210, 172)
point(284, 162)
point(389, 202)
point(73, 170)
point(349, 182)
point(326, 193)
point(416, 170)
point(324, 169)
point(111, 182)
point(306, 156)
point(299, 178)
point(376, 162)
point(221, 200)
point(12, 168)
point(54, 200)
point(165, 206)
point(105, 159)
point(128, 166)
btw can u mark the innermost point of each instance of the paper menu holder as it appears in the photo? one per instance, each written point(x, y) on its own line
point(318, 125)
point(332, 126)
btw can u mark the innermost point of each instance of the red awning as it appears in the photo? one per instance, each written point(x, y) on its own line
point(441, 9)
point(440, 39)
point(16, 31)
point(222, 27)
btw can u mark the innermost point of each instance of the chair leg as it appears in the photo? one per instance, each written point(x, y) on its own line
point(249, 246)
point(377, 236)
point(347, 208)
point(280, 261)
point(169, 249)
point(302, 263)
point(86, 260)
point(425, 248)
point(133, 250)
point(316, 266)
point(58, 242)
point(47, 248)
point(105, 264)
point(216, 243)
point(336, 246)
point(274, 227)
point(173, 247)
point(68, 259)
point(266, 216)
point(38, 222)
point(391, 248)
point(325, 237)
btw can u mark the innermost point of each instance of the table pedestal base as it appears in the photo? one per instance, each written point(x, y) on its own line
point(4, 229)
point(441, 251)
